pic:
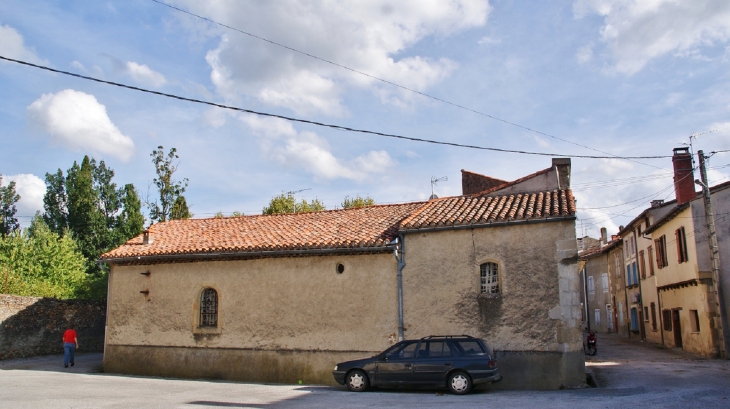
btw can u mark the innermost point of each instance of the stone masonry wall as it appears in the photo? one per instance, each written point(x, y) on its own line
point(32, 326)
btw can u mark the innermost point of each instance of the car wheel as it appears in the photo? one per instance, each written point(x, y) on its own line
point(459, 383)
point(357, 381)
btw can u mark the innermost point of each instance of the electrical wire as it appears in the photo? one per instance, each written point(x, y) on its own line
point(612, 156)
point(321, 124)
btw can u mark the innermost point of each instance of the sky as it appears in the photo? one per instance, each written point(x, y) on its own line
point(611, 78)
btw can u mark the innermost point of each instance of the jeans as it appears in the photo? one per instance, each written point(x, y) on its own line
point(69, 348)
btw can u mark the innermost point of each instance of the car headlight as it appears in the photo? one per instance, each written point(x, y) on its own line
point(335, 367)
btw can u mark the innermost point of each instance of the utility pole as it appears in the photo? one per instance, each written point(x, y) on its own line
point(714, 251)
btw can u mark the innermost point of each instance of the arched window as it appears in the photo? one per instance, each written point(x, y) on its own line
point(490, 278)
point(209, 308)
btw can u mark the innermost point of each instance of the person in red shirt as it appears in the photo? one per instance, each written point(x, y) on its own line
point(70, 345)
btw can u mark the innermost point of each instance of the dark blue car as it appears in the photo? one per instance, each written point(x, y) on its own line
point(456, 361)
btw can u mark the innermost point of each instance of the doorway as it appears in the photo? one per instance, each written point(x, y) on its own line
point(677, 329)
point(609, 317)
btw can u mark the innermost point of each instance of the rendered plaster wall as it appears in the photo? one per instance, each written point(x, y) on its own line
point(32, 326)
point(596, 267)
point(705, 341)
point(534, 324)
point(298, 304)
point(542, 182)
point(677, 272)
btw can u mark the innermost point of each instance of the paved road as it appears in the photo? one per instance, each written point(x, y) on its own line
point(628, 374)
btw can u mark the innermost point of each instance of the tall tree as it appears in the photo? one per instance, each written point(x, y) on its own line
point(54, 203)
point(286, 203)
point(180, 209)
point(8, 198)
point(85, 216)
point(170, 191)
point(357, 201)
point(130, 222)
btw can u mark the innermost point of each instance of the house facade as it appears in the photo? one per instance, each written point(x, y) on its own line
point(283, 298)
point(600, 313)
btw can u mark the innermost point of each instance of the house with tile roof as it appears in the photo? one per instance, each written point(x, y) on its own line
point(598, 290)
point(283, 298)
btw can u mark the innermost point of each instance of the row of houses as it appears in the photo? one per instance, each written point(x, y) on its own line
point(654, 278)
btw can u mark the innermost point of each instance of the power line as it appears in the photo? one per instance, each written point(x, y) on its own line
point(338, 127)
point(612, 156)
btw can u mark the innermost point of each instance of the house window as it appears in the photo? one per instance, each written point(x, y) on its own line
point(653, 316)
point(617, 264)
point(597, 316)
point(209, 308)
point(646, 314)
point(591, 286)
point(681, 239)
point(650, 254)
point(634, 319)
point(604, 282)
point(490, 278)
point(621, 313)
point(667, 318)
point(694, 320)
point(642, 265)
point(661, 251)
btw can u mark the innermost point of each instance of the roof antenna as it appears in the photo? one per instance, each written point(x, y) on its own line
point(435, 180)
point(691, 145)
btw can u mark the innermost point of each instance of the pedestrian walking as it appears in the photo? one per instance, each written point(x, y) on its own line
point(70, 345)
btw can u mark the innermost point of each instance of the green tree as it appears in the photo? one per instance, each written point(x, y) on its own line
point(286, 203)
point(87, 204)
point(8, 199)
point(54, 203)
point(130, 222)
point(180, 209)
point(357, 201)
point(38, 262)
point(169, 190)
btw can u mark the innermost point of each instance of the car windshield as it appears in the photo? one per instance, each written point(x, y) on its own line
point(404, 350)
point(469, 347)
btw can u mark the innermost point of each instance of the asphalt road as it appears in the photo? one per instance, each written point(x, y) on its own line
point(628, 374)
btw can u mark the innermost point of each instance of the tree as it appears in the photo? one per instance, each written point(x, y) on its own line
point(87, 204)
point(169, 190)
point(8, 199)
point(38, 262)
point(357, 201)
point(288, 204)
point(180, 209)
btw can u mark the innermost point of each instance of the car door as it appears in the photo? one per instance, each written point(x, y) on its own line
point(396, 365)
point(433, 360)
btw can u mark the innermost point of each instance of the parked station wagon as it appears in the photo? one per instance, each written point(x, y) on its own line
point(456, 361)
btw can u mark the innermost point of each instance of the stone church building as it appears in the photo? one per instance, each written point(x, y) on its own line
point(283, 298)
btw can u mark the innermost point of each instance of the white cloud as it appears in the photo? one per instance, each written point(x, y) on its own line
point(144, 75)
point(364, 35)
point(307, 150)
point(638, 31)
point(584, 54)
point(31, 189)
point(79, 122)
point(13, 46)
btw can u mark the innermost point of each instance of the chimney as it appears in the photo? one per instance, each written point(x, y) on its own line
point(604, 236)
point(657, 203)
point(684, 181)
point(562, 166)
point(147, 237)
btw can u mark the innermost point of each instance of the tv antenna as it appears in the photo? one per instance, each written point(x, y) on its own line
point(434, 181)
point(695, 135)
point(293, 192)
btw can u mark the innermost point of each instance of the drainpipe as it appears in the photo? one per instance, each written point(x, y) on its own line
point(401, 263)
point(661, 314)
point(585, 297)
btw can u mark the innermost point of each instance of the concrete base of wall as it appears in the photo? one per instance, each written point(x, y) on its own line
point(521, 370)
point(540, 370)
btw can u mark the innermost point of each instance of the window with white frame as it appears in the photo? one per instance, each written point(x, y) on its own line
point(591, 286)
point(490, 278)
point(617, 262)
point(604, 282)
point(597, 316)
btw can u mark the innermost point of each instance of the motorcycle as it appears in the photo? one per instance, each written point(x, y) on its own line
point(591, 343)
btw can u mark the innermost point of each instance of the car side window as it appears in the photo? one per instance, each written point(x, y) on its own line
point(403, 351)
point(469, 348)
point(434, 349)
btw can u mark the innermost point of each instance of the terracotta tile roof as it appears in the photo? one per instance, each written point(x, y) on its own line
point(514, 182)
point(594, 251)
point(368, 227)
point(364, 228)
point(466, 210)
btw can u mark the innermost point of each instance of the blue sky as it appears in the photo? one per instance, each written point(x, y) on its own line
point(623, 77)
